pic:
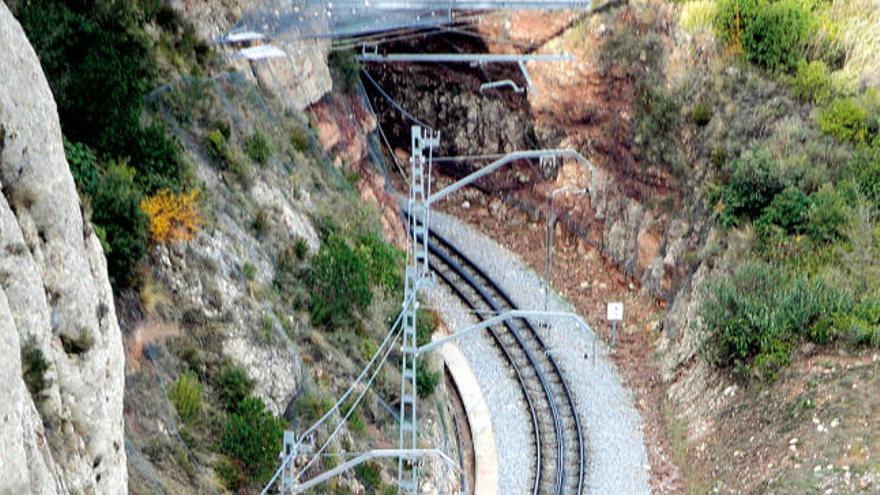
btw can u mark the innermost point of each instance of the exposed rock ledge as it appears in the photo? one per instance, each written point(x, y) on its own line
point(68, 438)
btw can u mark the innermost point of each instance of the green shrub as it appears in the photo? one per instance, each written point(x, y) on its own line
point(267, 329)
point(101, 233)
point(859, 327)
point(83, 166)
point(253, 437)
point(827, 216)
point(101, 48)
point(731, 19)
point(300, 248)
point(116, 208)
point(186, 395)
point(846, 120)
point(426, 380)
point(370, 475)
point(291, 272)
point(384, 262)
point(864, 168)
point(230, 474)
point(777, 36)
point(701, 114)
point(754, 181)
point(757, 316)
point(656, 130)
point(259, 147)
point(85, 53)
point(249, 270)
point(261, 221)
point(773, 35)
point(368, 348)
point(310, 406)
point(788, 211)
point(158, 160)
point(426, 325)
point(628, 52)
point(812, 81)
point(215, 142)
point(234, 386)
point(33, 366)
point(340, 283)
point(356, 421)
point(864, 329)
point(299, 140)
point(345, 69)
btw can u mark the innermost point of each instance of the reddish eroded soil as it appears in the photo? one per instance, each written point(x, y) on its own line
point(523, 31)
point(588, 280)
point(589, 101)
point(592, 107)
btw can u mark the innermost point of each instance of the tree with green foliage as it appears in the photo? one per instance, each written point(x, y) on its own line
point(116, 208)
point(788, 212)
point(773, 35)
point(340, 283)
point(755, 179)
point(384, 262)
point(253, 436)
point(777, 36)
point(98, 63)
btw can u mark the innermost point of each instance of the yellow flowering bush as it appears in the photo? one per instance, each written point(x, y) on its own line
point(173, 216)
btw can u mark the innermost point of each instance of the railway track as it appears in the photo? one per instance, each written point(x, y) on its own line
point(557, 434)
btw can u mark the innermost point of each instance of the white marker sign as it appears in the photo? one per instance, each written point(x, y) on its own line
point(615, 311)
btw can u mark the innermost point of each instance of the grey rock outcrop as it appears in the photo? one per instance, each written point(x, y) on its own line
point(54, 297)
point(300, 79)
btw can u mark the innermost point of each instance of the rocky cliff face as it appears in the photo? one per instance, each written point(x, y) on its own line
point(66, 434)
point(299, 79)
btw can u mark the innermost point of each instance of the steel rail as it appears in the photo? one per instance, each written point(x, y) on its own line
point(561, 471)
point(516, 369)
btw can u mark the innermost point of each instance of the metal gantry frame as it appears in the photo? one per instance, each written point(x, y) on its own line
point(423, 143)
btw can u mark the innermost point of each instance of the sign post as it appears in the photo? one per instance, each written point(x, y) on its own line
point(615, 314)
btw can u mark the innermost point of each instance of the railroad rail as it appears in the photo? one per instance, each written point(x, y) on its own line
point(558, 436)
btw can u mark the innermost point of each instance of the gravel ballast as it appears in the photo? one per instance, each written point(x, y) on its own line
point(510, 421)
point(617, 461)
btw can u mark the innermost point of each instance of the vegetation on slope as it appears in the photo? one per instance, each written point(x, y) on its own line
point(101, 59)
point(779, 129)
point(813, 221)
point(138, 118)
